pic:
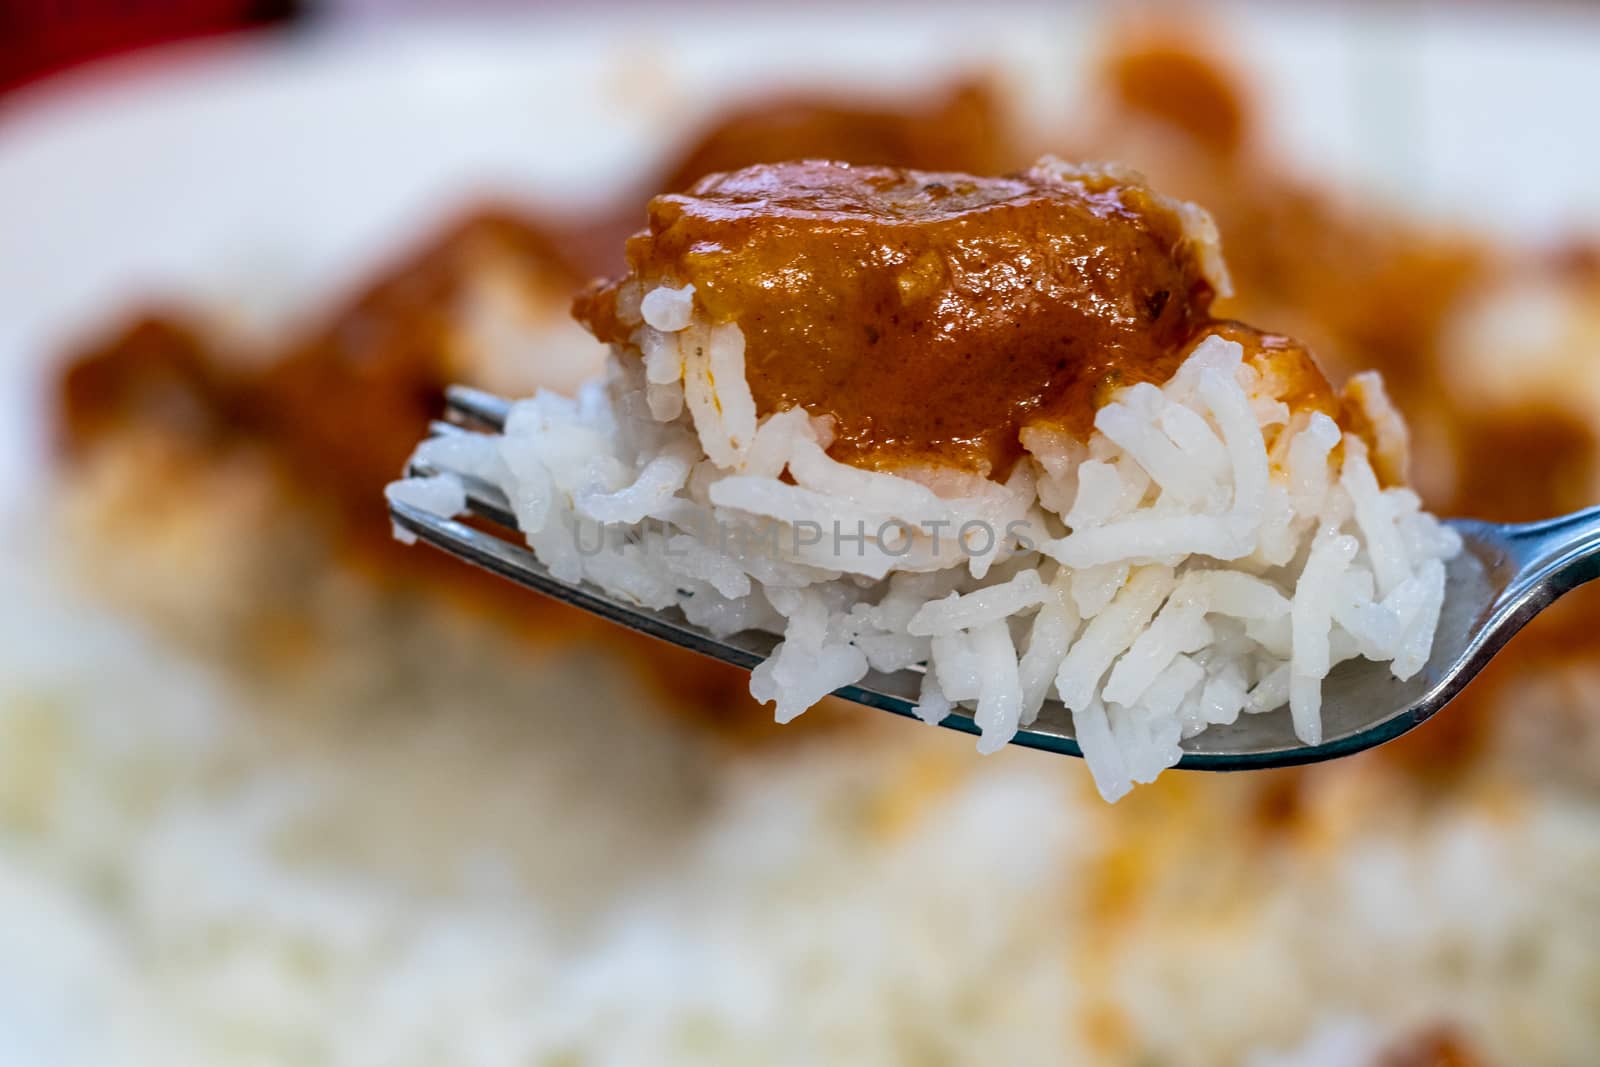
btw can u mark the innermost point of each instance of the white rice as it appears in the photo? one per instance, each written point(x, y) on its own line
point(441, 494)
point(1165, 576)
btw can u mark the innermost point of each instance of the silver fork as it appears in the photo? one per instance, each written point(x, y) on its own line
point(1505, 575)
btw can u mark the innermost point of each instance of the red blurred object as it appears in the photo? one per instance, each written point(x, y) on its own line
point(39, 37)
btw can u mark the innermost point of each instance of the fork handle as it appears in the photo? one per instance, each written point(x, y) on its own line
point(1561, 553)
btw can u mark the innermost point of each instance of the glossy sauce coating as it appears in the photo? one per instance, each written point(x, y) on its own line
point(932, 315)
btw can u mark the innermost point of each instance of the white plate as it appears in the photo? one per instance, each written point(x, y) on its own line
point(262, 172)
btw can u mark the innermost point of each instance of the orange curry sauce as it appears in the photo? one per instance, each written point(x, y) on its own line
point(934, 315)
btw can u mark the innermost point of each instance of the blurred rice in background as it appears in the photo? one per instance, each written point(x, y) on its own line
point(276, 789)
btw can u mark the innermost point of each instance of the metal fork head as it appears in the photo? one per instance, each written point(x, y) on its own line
point(1503, 577)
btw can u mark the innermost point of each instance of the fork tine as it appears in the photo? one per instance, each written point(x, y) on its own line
point(474, 407)
point(485, 500)
point(520, 565)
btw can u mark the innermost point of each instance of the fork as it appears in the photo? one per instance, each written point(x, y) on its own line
point(1504, 576)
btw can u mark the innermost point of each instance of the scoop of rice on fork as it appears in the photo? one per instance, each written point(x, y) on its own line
point(1210, 549)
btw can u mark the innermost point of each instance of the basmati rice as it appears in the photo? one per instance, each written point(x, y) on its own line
point(1167, 575)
